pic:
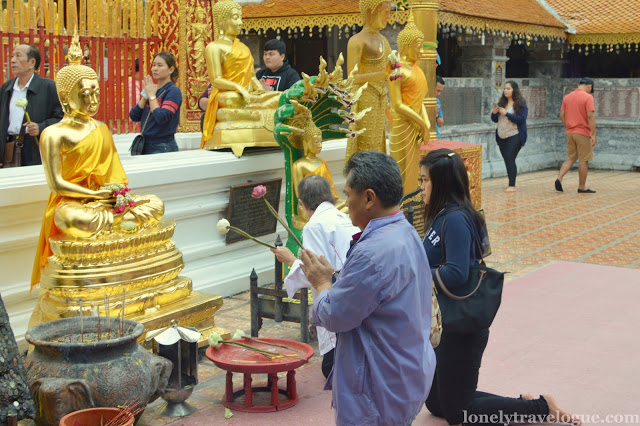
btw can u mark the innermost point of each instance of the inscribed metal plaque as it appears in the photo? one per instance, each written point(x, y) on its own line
point(461, 105)
point(615, 102)
point(252, 214)
point(536, 97)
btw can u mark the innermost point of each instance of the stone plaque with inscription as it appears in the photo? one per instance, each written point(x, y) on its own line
point(251, 214)
point(461, 105)
point(536, 97)
point(615, 102)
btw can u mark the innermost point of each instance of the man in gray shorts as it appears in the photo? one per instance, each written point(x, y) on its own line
point(578, 118)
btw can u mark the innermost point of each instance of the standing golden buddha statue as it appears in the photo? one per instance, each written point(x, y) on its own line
point(369, 51)
point(409, 125)
point(100, 243)
point(239, 113)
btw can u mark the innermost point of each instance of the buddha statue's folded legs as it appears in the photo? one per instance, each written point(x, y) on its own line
point(86, 220)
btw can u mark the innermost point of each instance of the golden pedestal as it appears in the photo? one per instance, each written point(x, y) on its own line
point(250, 128)
point(142, 267)
point(471, 156)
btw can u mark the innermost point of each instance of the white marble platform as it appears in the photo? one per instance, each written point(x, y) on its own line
point(194, 185)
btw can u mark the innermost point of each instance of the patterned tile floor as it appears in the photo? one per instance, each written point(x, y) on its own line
point(529, 228)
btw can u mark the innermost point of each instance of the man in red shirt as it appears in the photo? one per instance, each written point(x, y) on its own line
point(578, 118)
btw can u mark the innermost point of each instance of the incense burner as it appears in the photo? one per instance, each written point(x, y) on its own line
point(71, 369)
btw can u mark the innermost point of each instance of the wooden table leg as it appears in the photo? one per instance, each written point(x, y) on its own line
point(273, 383)
point(229, 387)
point(248, 392)
point(291, 385)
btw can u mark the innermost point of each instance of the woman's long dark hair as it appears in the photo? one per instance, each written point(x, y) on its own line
point(171, 62)
point(518, 100)
point(449, 184)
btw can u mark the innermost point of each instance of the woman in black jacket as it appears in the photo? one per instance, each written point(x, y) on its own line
point(511, 115)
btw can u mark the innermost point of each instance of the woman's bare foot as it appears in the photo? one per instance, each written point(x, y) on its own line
point(527, 397)
point(510, 189)
point(557, 414)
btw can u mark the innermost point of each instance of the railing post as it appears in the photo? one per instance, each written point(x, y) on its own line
point(255, 307)
point(278, 285)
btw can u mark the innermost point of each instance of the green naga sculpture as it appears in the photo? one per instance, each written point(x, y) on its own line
point(313, 110)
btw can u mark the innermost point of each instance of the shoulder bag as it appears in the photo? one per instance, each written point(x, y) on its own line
point(13, 151)
point(482, 294)
point(137, 146)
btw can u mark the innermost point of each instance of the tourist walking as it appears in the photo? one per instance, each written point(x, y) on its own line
point(380, 304)
point(511, 115)
point(579, 120)
point(453, 395)
point(159, 107)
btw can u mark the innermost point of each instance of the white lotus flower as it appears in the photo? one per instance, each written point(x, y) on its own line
point(22, 103)
point(223, 226)
point(215, 340)
point(239, 334)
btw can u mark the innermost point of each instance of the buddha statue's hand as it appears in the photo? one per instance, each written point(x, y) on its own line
point(245, 95)
point(103, 194)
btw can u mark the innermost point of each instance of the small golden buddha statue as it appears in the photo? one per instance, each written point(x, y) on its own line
point(409, 125)
point(239, 113)
point(310, 164)
point(369, 51)
point(92, 246)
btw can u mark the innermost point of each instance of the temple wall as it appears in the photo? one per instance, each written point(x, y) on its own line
point(467, 104)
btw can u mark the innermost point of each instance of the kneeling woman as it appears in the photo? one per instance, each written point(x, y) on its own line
point(445, 191)
point(159, 107)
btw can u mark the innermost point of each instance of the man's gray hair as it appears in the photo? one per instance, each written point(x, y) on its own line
point(314, 190)
point(377, 171)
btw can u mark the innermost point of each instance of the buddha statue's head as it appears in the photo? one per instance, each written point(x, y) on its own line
point(410, 40)
point(375, 13)
point(311, 138)
point(227, 18)
point(78, 85)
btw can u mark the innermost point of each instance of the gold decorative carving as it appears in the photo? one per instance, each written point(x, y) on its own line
point(498, 79)
point(484, 24)
point(608, 39)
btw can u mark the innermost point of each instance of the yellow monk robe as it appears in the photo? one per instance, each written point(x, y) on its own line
point(323, 170)
point(405, 135)
point(91, 163)
point(238, 68)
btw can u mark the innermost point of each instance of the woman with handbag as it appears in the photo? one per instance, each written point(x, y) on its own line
point(158, 109)
point(453, 244)
point(511, 115)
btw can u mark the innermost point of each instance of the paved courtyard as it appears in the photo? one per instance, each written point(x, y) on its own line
point(529, 229)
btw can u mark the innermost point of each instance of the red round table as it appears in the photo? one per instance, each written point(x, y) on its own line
point(235, 359)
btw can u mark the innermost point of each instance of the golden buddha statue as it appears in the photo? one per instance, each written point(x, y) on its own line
point(92, 245)
point(310, 164)
point(409, 122)
point(239, 113)
point(369, 51)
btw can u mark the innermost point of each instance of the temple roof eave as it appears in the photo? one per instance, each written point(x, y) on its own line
point(444, 19)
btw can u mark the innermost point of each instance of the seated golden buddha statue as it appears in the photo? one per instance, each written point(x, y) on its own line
point(112, 251)
point(310, 164)
point(239, 113)
point(409, 125)
point(369, 51)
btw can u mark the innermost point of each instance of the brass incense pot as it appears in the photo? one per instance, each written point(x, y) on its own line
point(80, 363)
